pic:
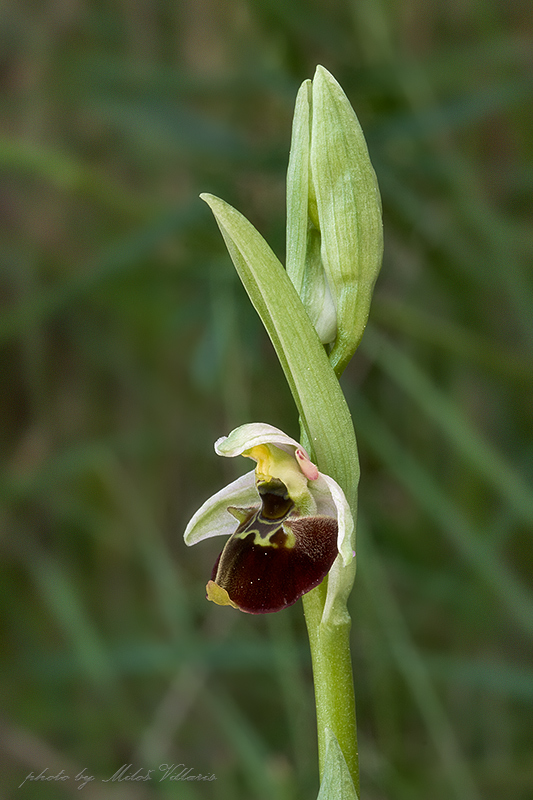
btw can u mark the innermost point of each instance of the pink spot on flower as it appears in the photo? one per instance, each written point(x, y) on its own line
point(308, 468)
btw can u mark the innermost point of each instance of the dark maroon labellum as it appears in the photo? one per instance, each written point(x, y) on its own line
point(273, 558)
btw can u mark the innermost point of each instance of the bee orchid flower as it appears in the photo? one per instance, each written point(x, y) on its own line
point(286, 521)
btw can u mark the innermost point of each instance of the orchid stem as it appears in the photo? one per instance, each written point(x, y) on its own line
point(332, 664)
point(333, 679)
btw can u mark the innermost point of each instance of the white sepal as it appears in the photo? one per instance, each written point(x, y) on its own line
point(213, 518)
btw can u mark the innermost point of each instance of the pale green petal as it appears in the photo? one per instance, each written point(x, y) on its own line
point(213, 518)
point(316, 292)
point(340, 581)
point(331, 500)
point(322, 496)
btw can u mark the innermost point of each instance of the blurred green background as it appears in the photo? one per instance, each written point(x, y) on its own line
point(128, 347)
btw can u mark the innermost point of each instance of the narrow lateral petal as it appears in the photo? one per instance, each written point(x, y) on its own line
point(330, 499)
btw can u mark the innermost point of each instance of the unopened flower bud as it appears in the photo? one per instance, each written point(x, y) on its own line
point(334, 229)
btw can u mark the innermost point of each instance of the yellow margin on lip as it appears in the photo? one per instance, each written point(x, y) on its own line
point(218, 595)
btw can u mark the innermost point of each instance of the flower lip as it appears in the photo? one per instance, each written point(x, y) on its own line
point(267, 565)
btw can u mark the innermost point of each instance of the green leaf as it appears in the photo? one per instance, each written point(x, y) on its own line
point(313, 383)
point(336, 783)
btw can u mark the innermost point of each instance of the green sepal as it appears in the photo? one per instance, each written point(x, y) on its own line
point(336, 783)
point(298, 183)
point(334, 227)
point(303, 260)
point(349, 211)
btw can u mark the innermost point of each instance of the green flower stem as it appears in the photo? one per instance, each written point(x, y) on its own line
point(329, 438)
point(333, 679)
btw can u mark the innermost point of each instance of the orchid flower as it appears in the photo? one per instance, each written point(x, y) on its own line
point(287, 523)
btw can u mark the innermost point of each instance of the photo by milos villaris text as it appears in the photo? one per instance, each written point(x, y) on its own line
point(170, 772)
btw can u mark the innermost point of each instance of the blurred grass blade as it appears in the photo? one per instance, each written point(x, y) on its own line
point(416, 674)
point(252, 752)
point(445, 514)
point(62, 600)
point(72, 176)
point(290, 671)
point(485, 458)
point(117, 258)
point(454, 339)
point(497, 677)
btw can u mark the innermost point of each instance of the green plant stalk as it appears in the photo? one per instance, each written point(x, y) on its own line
point(329, 438)
point(333, 679)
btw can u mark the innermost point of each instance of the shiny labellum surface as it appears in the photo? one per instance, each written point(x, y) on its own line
point(272, 559)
